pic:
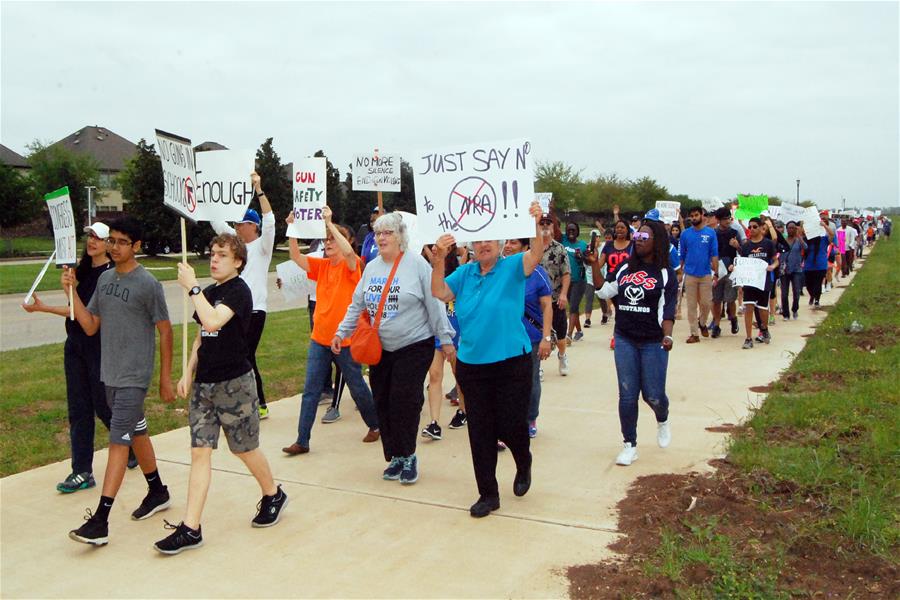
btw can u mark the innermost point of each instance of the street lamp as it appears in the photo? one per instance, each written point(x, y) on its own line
point(90, 212)
point(798, 192)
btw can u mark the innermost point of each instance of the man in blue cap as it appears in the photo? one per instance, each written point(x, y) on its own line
point(369, 247)
point(258, 234)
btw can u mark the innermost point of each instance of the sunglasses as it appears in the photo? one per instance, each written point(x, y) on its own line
point(754, 227)
point(641, 235)
point(546, 222)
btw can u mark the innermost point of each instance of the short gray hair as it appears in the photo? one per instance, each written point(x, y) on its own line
point(393, 222)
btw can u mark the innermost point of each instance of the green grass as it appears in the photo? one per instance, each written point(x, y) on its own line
point(24, 246)
point(33, 425)
point(17, 279)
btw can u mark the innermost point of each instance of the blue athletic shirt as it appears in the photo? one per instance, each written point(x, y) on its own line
point(536, 286)
point(697, 248)
point(489, 309)
point(816, 254)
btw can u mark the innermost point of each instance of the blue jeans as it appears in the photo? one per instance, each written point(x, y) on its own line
point(318, 364)
point(640, 367)
point(535, 402)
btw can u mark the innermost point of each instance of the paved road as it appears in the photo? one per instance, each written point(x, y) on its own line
point(19, 329)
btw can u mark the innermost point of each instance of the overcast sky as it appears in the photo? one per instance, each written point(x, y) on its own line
point(710, 99)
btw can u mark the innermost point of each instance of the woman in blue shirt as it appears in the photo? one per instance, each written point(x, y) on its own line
point(494, 359)
point(816, 264)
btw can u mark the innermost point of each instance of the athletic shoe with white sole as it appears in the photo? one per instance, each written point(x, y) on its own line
point(563, 365)
point(331, 415)
point(269, 509)
point(151, 504)
point(433, 431)
point(183, 538)
point(75, 482)
point(627, 456)
point(94, 531)
point(663, 434)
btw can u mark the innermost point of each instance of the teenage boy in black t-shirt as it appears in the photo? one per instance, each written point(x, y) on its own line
point(763, 248)
point(224, 393)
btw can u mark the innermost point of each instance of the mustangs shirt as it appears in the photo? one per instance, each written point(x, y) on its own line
point(645, 298)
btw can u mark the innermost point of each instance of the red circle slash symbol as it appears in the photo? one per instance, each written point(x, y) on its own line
point(190, 201)
point(472, 204)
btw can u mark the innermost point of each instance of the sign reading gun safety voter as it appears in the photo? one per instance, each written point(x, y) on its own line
point(60, 206)
point(309, 199)
point(475, 191)
point(224, 181)
point(376, 173)
point(180, 190)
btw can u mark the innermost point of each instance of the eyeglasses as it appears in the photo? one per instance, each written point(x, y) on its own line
point(641, 235)
point(546, 222)
point(94, 236)
point(753, 227)
point(384, 233)
point(121, 242)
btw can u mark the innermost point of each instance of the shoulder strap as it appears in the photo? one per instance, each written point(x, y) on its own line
point(384, 291)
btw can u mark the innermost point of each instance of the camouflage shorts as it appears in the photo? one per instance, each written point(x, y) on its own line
point(232, 405)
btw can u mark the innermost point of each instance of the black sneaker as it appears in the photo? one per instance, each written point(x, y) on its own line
point(75, 482)
point(734, 325)
point(484, 506)
point(433, 431)
point(715, 331)
point(132, 459)
point(795, 315)
point(94, 531)
point(748, 344)
point(764, 337)
point(269, 509)
point(604, 320)
point(458, 421)
point(587, 323)
point(183, 538)
point(152, 503)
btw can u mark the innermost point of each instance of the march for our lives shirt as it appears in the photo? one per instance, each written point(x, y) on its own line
point(490, 308)
point(697, 249)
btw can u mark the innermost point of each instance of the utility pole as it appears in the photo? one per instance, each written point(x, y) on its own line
point(843, 204)
point(90, 211)
point(798, 192)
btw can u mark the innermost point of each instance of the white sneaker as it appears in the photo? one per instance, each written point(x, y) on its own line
point(563, 365)
point(627, 456)
point(541, 373)
point(663, 434)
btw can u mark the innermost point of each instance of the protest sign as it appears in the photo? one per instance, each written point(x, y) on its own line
point(750, 206)
point(60, 206)
point(878, 212)
point(309, 199)
point(180, 191)
point(412, 229)
point(773, 212)
point(812, 223)
point(841, 236)
point(295, 284)
point(37, 280)
point(376, 172)
point(668, 211)
point(223, 179)
point(749, 272)
point(711, 204)
point(868, 214)
point(475, 191)
point(544, 199)
point(791, 212)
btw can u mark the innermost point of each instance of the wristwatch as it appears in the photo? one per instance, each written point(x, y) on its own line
point(194, 290)
point(668, 337)
point(548, 339)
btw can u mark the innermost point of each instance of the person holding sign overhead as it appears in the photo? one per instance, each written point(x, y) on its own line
point(81, 359)
point(336, 276)
point(258, 234)
point(130, 303)
point(761, 247)
point(494, 366)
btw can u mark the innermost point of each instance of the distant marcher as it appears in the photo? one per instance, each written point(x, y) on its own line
point(576, 250)
point(700, 263)
point(555, 261)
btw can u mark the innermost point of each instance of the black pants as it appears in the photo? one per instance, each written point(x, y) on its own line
point(497, 397)
point(254, 333)
point(814, 280)
point(397, 385)
point(86, 397)
point(791, 281)
point(846, 262)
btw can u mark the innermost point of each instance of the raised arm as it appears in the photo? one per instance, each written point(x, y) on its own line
point(535, 252)
point(294, 248)
point(343, 243)
point(213, 318)
point(439, 287)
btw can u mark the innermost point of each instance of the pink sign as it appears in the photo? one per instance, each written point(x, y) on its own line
point(841, 240)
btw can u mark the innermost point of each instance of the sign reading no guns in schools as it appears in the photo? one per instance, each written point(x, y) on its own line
point(60, 206)
point(179, 174)
point(376, 173)
point(309, 199)
point(475, 191)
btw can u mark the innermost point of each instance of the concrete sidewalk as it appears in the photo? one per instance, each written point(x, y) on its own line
point(348, 533)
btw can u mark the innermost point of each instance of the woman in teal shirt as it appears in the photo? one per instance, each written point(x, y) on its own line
point(494, 358)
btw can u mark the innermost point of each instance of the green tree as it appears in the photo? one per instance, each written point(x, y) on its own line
point(53, 167)
point(276, 182)
point(20, 202)
point(648, 192)
point(333, 189)
point(563, 181)
point(358, 204)
point(141, 182)
point(606, 191)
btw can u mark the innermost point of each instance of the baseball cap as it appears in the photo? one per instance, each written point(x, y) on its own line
point(251, 216)
point(375, 209)
point(101, 230)
point(637, 218)
point(652, 215)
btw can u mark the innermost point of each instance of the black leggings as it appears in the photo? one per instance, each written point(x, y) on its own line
point(254, 333)
point(814, 281)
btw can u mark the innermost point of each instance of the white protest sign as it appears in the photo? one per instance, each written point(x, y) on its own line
point(309, 199)
point(60, 206)
point(877, 212)
point(668, 211)
point(791, 212)
point(376, 173)
point(711, 204)
point(37, 280)
point(544, 199)
point(812, 223)
point(475, 191)
point(773, 212)
point(223, 179)
point(180, 191)
point(868, 214)
point(749, 272)
point(295, 284)
point(412, 228)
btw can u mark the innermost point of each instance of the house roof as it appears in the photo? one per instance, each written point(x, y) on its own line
point(12, 158)
point(110, 149)
point(207, 146)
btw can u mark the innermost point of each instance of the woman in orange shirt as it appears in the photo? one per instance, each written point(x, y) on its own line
point(336, 276)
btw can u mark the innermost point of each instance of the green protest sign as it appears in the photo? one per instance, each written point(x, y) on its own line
point(750, 206)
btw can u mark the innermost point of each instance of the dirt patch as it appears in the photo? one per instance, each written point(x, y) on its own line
point(676, 503)
point(725, 428)
point(761, 389)
point(810, 381)
point(877, 336)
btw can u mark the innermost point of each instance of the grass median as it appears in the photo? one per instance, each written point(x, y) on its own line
point(807, 501)
point(34, 429)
